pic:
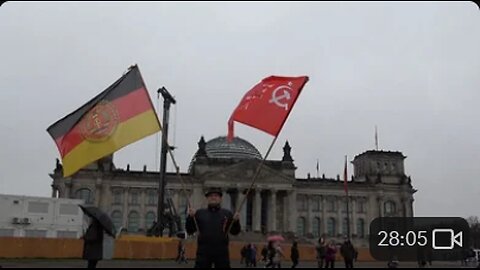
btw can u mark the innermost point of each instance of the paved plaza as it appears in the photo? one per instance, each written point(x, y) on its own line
point(62, 263)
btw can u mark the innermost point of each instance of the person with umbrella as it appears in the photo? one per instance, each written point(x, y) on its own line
point(93, 237)
point(275, 252)
point(213, 225)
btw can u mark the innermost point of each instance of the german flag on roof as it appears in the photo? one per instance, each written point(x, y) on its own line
point(120, 115)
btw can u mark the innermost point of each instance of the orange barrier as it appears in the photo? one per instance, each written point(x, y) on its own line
point(134, 248)
point(12, 247)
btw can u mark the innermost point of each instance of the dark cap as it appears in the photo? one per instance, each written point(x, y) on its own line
point(214, 190)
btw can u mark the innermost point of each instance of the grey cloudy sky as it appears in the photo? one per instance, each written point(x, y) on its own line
point(410, 68)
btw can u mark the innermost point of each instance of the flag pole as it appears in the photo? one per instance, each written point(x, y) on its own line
point(347, 199)
point(257, 172)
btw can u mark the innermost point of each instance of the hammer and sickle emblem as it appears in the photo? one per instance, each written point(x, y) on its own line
point(281, 96)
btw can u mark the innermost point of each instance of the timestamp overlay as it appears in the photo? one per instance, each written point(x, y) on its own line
point(419, 238)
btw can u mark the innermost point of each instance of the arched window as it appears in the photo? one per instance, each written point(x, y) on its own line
point(316, 227)
point(361, 228)
point(331, 227)
point(390, 208)
point(149, 219)
point(117, 219)
point(301, 226)
point(85, 194)
point(133, 221)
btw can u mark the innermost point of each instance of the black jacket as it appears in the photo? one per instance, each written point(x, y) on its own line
point(294, 254)
point(212, 223)
point(348, 251)
point(93, 242)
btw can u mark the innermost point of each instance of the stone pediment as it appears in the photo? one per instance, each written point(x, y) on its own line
point(242, 173)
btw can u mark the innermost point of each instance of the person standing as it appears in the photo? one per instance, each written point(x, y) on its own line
point(321, 251)
point(181, 253)
point(243, 255)
point(93, 244)
point(264, 254)
point(330, 254)
point(348, 253)
point(253, 256)
point(212, 224)
point(294, 255)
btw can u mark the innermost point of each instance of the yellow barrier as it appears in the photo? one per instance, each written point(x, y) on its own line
point(134, 247)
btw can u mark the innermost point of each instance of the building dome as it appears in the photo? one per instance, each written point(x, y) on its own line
point(219, 147)
point(238, 148)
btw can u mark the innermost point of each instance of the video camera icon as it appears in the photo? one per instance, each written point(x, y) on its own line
point(446, 239)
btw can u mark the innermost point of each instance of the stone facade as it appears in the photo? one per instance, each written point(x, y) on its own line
point(279, 202)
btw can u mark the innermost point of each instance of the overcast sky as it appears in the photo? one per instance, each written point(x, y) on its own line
point(412, 69)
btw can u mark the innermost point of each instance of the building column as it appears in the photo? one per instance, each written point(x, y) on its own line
point(106, 203)
point(143, 211)
point(410, 207)
point(293, 213)
point(125, 207)
point(324, 216)
point(197, 199)
point(380, 206)
point(273, 210)
point(176, 200)
point(309, 214)
point(285, 213)
point(227, 201)
point(353, 210)
point(257, 211)
point(98, 192)
point(338, 201)
point(243, 211)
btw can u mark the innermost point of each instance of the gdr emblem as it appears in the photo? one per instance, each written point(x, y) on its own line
point(100, 122)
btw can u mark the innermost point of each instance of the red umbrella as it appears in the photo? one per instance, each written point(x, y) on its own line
point(275, 238)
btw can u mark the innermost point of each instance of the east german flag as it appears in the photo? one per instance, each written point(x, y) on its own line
point(118, 116)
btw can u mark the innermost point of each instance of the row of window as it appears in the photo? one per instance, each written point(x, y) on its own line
point(133, 220)
point(38, 233)
point(390, 207)
point(378, 167)
point(331, 205)
point(86, 195)
point(151, 197)
point(331, 227)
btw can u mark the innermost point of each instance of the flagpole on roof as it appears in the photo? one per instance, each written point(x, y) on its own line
point(347, 198)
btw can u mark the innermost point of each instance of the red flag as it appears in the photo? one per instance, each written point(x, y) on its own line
point(345, 177)
point(267, 105)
